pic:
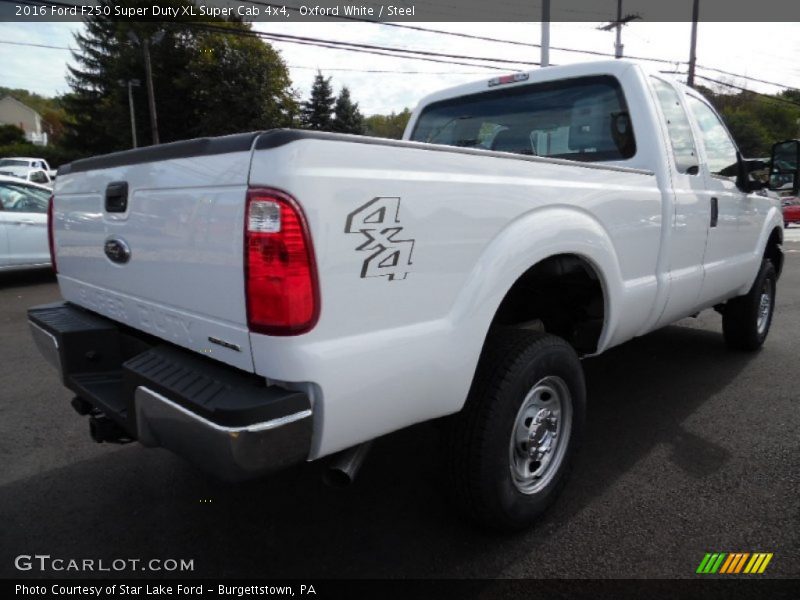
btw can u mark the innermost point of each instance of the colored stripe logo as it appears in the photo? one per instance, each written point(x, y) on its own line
point(734, 563)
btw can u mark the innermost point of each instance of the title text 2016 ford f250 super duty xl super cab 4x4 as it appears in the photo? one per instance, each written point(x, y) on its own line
point(264, 299)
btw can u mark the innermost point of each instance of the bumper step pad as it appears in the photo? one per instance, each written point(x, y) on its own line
point(224, 420)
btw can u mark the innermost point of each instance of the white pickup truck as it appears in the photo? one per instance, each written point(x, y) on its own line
point(264, 299)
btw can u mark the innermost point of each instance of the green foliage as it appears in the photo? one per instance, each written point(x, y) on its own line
point(347, 118)
point(38, 103)
point(791, 95)
point(755, 121)
point(11, 134)
point(53, 122)
point(49, 109)
point(206, 82)
point(54, 155)
point(237, 83)
point(388, 126)
point(318, 109)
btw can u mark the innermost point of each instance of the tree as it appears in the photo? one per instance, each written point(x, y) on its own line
point(11, 134)
point(53, 124)
point(38, 103)
point(210, 78)
point(347, 119)
point(389, 126)
point(756, 121)
point(318, 109)
point(251, 88)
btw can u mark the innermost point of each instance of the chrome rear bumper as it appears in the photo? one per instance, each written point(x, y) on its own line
point(225, 421)
point(229, 452)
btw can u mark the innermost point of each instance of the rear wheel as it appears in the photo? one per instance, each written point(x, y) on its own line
point(747, 319)
point(510, 449)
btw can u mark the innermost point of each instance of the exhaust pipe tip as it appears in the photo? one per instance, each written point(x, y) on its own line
point(337, 478)
point(345, 466)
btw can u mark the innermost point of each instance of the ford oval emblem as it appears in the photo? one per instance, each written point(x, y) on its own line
point(117, 250)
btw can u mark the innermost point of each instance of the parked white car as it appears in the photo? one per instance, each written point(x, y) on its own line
point(27, 162)
point(258, 300)
point(37, 176)
point(23, 225)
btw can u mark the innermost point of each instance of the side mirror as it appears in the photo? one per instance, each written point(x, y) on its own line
point(746, 177)
point(784, 171)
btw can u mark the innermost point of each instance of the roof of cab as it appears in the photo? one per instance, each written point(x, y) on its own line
point(601, 67)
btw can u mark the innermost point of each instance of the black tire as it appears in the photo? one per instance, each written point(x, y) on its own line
point(741, 324)
point(478, 439)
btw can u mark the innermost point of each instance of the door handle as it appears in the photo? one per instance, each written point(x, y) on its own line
point(714, 211)
point(117, 197)
point(25, 222)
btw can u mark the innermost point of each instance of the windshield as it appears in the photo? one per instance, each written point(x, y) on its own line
point(13, 162)
point(14, 171)
point(582, 119)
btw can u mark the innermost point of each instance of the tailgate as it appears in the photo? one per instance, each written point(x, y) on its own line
point(153, 238)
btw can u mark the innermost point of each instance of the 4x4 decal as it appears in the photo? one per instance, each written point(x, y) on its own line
point(379, 221)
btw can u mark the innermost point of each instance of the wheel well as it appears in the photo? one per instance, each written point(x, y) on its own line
point(562, 295)
point(774, 252)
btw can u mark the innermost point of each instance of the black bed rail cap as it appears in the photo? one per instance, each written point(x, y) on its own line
point(240, 142)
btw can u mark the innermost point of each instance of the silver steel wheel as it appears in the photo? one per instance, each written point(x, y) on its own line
point(540, 435)
point(764, 307)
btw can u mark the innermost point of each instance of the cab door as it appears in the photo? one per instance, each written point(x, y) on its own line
point(733, 214)
point(24, 222)
point(689, 221)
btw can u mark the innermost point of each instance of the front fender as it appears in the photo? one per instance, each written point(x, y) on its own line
point(773, 221)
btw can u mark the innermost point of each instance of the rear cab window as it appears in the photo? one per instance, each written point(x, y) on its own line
point(584, 119)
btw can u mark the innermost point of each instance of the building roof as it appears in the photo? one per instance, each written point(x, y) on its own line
point(10, 98)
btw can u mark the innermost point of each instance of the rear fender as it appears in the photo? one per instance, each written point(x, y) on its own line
point(527, 241)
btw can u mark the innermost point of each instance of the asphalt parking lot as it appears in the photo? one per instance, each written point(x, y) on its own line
point(690, 449)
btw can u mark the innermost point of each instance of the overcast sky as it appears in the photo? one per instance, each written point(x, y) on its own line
point(768, 51)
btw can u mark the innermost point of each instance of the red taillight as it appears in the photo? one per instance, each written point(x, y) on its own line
point(280, 273)
point(50, 238)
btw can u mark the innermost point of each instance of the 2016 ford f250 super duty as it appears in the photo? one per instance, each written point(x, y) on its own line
point(259, 300)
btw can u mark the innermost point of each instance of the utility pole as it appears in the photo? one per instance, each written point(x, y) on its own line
point(618, 24)
point(151, 96)
point(545, 60)
point(693, 47)
point(131, 83)
point(145, 42)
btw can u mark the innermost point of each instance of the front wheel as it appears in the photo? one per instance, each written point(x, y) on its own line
point(509, 450)
point(747, 319)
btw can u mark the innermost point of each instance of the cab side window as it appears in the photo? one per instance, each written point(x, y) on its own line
point(720, 149)
point(678, 127)
point(39, 177)
point(22, 198)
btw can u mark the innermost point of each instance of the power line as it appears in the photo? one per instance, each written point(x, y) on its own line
point(453, 9)
point(358, 45)
point(294, 66)
point(397, 52)
point(468, 35)
point(743, 89)
point(379, 53)
point(37, 45)
point(783, 85)
point(387, 71)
